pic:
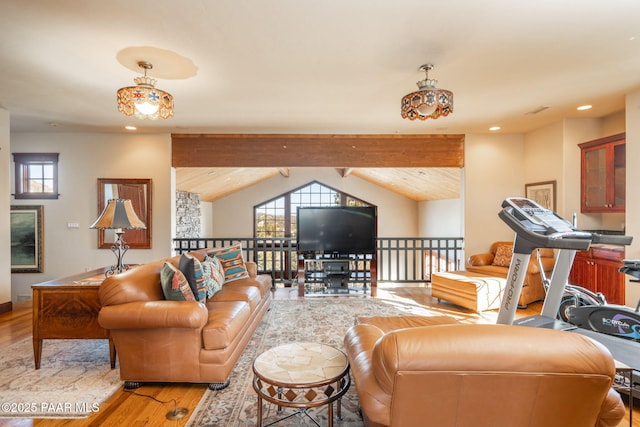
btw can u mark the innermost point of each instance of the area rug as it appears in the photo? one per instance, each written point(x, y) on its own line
point(323, 320)
point(74, 378)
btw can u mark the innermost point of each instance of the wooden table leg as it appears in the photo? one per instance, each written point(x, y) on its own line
point(37, 352)
point(112, 353)
point(259, 415)
point(330, 415)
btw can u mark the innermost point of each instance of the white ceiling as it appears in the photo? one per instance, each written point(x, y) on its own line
point(302, 66)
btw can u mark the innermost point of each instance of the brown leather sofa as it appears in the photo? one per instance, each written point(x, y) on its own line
point(158, 340)
point(478, 375)
point(497, 265)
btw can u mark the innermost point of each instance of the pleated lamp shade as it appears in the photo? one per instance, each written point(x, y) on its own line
point(118, 213)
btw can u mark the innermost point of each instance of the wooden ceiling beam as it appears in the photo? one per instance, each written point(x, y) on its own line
point(284, 172)
point(345, 172)
point(289, 150)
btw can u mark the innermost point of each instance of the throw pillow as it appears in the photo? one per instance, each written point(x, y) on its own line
point(503, 256)
point(232, 262)
point(192, 270)
point(213, 275)
point(175, 286)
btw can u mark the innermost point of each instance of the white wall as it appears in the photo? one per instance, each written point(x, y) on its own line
point(232, 216)
point(85, 157)
point(5, 203)
point(441, 218)
point(206, 219)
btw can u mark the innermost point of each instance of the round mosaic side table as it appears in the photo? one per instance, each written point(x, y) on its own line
point(301, 375)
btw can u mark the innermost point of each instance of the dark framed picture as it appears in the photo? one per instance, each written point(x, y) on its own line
point(543, 193)
point(27, 234)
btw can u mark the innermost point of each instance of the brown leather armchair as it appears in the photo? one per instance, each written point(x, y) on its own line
point(492, 264)
point(481, 376)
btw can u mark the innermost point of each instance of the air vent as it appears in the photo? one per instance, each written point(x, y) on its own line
point(538, 110)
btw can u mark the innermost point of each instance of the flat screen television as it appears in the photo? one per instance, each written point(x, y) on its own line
point(336, 230)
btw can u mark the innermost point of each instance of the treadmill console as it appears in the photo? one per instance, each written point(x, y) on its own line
point(537, 218)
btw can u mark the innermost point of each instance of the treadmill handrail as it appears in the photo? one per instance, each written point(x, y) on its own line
point(612, 239)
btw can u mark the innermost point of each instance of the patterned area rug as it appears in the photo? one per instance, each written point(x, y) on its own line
point(322, 319)
point(74, 378)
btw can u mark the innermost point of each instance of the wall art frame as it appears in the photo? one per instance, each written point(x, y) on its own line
point(138, 190)
point(27, 238)
point(543, 193)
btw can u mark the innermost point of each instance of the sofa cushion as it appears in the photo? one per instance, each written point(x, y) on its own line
point(232, 262)
point(503, 256)
point(213, 275)
point(175, 286)
point(192, 270)
point(261, 282)
point(227, 319)
point(246, 293)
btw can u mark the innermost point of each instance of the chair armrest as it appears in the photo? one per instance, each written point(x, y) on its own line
point(480, 259)
point(154, 314)
point(547, 264)
point(359, 342)
point(611, 411)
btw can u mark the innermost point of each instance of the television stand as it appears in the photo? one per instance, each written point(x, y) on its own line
point(336, 275)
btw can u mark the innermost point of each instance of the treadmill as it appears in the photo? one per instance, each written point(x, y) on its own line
point(539, 227)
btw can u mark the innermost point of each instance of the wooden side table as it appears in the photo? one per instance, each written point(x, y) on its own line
point(625, 374)
point(301, 375)
point(68, 309)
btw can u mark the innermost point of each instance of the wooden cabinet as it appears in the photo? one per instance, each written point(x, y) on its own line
point(597, 270)
point(68, 309)
point(602, 181)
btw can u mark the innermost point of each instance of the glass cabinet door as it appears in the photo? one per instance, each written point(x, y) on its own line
point(603, 174)
point(619, 171)
point(595, 176)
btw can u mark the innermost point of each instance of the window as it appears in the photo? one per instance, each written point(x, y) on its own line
point(277, 217)
point(36, 175)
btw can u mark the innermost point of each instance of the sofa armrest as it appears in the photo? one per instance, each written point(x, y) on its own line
point(480, 259)
point(154, 314)
point(252, 268)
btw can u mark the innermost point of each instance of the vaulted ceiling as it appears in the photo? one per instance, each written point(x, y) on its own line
point(316, 67)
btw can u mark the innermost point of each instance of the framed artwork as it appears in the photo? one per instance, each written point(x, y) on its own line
point(543, 193)
point(139, 192)
point(27, 233)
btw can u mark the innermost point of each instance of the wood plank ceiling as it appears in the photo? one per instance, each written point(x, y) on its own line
point(419, 167)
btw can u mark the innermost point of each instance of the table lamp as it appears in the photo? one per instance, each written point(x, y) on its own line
point(118, 215)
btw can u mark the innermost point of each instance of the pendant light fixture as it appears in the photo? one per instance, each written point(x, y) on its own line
point(428, 101)
point(144, 100)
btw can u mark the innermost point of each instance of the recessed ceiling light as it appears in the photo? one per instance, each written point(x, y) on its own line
point(130, 127)
point(584, 107)
point(494, 128)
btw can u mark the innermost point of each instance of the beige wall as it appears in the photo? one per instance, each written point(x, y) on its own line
point(5, 203)
point(85, 157)
point(633, 180)
point(493, 171)
point(397, 215)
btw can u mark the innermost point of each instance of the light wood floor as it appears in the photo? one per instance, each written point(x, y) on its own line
point(132, 410)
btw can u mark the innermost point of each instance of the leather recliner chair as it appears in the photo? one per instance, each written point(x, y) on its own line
point(466, 375)
point(492, 264)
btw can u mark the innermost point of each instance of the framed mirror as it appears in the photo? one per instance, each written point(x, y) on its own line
point(139, 192)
